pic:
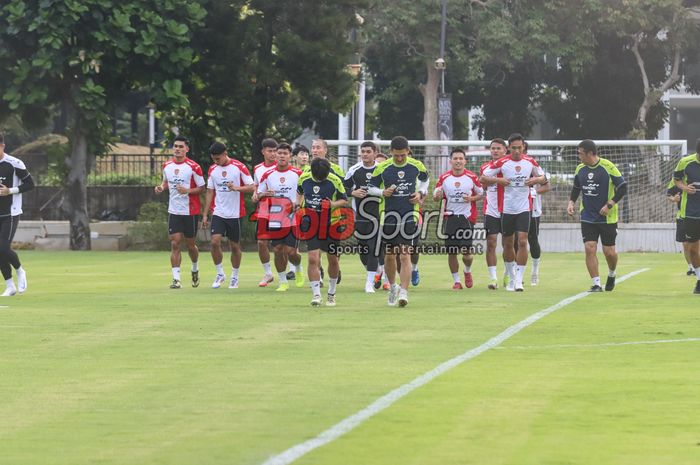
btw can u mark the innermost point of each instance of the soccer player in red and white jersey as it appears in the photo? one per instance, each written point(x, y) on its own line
point(280, 182)
point(520, 172)
point(183, 178)
point(269, 153)
point(460, 189)
point(228, 180)
point(493, 204)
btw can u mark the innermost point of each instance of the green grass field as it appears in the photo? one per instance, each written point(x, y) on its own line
point(101, 363)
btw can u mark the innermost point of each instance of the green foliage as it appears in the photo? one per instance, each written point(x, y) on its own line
point(150, 231)
point(117, 179)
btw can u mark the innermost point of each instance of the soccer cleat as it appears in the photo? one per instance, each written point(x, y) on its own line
point(519, 287)
point(330, 300)
point(687, 273)
point(506, 280)
point(340, 276)
point(386, 286)
point(195, 278)
point(218, 281)
point(299, 280)
point(695, 291)
point(175, 284)
point(468, 280)
point(377, 281)
point(415, 278)
point(369, 289)
point(493, 285)
point(233, 283)
point(403, 298)
point(534, 280)
point(283, 287)
point(393, 295)
point(457, 286)
point(595, 288)
point(267, 279)
point(610, 283)
point(316, 301)
point(291, 275)
point(21, 281)
point(9, 292)
point(510, 287)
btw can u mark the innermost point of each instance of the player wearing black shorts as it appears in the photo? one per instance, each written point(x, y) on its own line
point(687, 178)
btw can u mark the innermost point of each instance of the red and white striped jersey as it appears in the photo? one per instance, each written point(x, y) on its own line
point(454, 188)
point(228, 203)
point(259, 170)
point(188, 174)
point(493, 200)
point(282, 183)
point(516, 196)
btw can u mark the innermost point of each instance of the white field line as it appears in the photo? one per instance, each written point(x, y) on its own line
point(603, 344)
point(384, 402)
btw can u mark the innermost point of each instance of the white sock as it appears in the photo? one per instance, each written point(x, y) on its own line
point(234, 272)
point(21, 270)
point(292, 267)
point(467, 269)
point(455, 277)
point(316, 288)
point(267, 268)
point(690, 267)
point(331, 285)
point(9, 283)
point(380, 270)
point(299, 268)
point(611, 273)
point(697, 272)
point(596, 281)
point(176, 273)
point(370, 278)
point(282, 276)
point(414, 267)
point(195, 266)
point(510, 269)
point(535, 265)
point(493, 273)
point(220, 269)
point(519, 272)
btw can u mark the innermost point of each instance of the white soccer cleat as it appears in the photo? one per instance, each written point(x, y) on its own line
point(9, 291)
point(233, 283)
point(535, 279)
point(403, 298)
point(510, 287)
point(369, 288)
point(316, 301)
point(330, 300)
point(393, 295)
point(218, 281)
point(267, 279)
point(519, 287)
point(21, 281)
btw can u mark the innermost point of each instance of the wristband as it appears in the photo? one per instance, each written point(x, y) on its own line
point(14, 190)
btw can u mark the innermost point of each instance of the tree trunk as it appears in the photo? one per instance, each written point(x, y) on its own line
point(76, 188)
point(429, 90)
point(261, 95)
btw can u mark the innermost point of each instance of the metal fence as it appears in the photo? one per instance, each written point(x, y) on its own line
point(132, 170)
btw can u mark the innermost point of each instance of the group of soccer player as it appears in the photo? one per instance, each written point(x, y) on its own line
point(378, 202)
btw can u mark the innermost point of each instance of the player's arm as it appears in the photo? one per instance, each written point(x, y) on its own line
point(575, 191)
point(620, 187)
point(679, 180)
point(162, 186)
point(477, 194)
point(538, 177)
point(207, 205)
point(422, 185)
point(490, 177)
point(376, 185)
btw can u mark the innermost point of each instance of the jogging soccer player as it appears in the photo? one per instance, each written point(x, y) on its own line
point(520, 172)
point(602, 187)
point(460, 189)
point(493, 203)
point(533, 236)
point(380, 281)
point(227, 181)
point(357, 184)
point(687, 178)
point(319, 191)
point(14, 180)
point(674, 195)
point(276, 184)
point(269, 153)
point(184, 180)
point(403, 181)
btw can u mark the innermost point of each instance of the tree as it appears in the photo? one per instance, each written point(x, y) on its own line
point(86, 55)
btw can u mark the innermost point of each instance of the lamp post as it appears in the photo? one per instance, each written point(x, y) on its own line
point(444, 99)
point(152, 133)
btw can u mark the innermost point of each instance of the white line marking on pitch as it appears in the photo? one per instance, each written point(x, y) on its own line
point(384, 402)
point(602, 344)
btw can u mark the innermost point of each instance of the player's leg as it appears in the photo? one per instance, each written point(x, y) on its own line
point(590, 234)
point(294, 257)
point(333, 273)
point(280, 258)
point(264, 255)
point(692, 234)
point(467, 260)
point(522, 228)
point(13, 258)
point(453, 264)
point(314, 270)
point(233, 232)
point(176, 239)
point(217, 257)
point(190, 233)
point(405, 252)
point(607, 237)
point(5, 247)
point(533, 239)
point(508, 238)
point(493, 229)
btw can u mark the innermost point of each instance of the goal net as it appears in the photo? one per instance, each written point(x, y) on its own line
point(647, 166)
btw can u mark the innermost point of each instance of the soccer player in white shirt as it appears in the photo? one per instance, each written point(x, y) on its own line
point(278, 188)
point(493, 202)
point(520, 172)
point(460, 189)
point(269, 153)
point(183, 178)
point(228, 180)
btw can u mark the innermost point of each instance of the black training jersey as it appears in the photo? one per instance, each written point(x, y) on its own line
point(406, 178)
point(13, 173)
point(314, 192)
point(359, 177)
